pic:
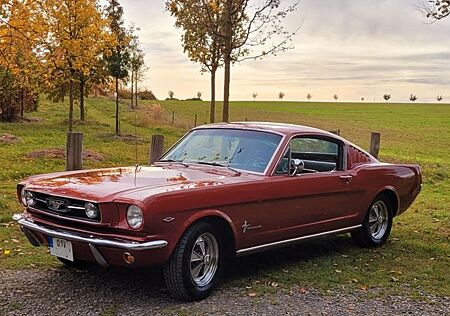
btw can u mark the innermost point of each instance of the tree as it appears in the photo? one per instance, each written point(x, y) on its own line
point(240, 26)
point(335, 97)
point(137, 65)
point(435, 9)
point(309, 96)
point(362, 99)
point(281, 95)
point(200, 40)
point(118, 59)
point(171, 94)
point(199, 95)
point(413, 98)
point(254, 95)
point(439, 98)
point(387, 97)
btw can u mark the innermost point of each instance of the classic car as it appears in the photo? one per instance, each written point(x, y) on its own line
point(223, 190)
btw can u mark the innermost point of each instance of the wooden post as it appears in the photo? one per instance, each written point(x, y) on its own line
point(74, 151)
point(156, 148)
point(173, 117)
point(338, 132)
point(246, 119)
point(195, 121)
point(375, 144)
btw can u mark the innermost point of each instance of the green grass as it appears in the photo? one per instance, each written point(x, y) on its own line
point(416, 258)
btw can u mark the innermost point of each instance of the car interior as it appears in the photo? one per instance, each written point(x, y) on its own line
point(316, 155)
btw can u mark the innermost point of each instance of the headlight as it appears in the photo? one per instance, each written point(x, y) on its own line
point(28, 198)
point(22, 196)
point(134, 217)
point(91, 210)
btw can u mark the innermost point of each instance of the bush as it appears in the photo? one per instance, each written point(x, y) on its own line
point(12, 96)
point(147, 95)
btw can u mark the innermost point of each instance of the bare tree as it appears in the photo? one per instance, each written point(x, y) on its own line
point(309, 96)
point(387, 97)
point(281, 95)
point(245, 25)
point(336, 97)
point(413, 98)
point(171, 94)
point(434, 9)
point(254, 95)
point(439, 98)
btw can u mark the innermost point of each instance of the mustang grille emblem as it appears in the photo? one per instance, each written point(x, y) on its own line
point(246, 227)
point(57, 205)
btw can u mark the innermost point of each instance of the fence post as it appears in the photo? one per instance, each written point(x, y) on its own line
point(375, 139)
point(338, 132)
point(195, 121)
point(156, 148)
point(74, 151)
point(173, 117)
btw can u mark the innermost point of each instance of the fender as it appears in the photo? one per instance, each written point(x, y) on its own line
point(393, 190)
point(197, 216)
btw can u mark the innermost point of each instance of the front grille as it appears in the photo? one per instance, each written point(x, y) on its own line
point(61, 206)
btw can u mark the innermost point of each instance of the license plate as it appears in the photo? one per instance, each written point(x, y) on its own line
point(60, 248)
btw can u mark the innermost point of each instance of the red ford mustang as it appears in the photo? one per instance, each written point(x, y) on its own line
point(223, 190)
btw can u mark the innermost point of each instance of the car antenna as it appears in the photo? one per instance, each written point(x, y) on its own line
point(136, 147)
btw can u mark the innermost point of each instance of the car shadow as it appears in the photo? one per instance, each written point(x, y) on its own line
point(148, 283)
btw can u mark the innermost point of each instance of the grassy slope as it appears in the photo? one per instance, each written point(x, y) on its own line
point(418, 254)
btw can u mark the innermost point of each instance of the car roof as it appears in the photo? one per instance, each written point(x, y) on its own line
point(280, 128)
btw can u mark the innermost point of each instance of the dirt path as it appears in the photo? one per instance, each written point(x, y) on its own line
point(127, 292)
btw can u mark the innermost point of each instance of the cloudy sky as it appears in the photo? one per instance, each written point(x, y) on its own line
point(354, 48)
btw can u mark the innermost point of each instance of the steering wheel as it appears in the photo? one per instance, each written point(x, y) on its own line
point(258, 163)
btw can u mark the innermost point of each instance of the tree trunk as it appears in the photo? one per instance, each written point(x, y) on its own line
point(212, 114)
point(82, 112)
point(117, 107)
point(226, 90)
point(22, 97)
point(136, 90)
point(132, 90)
point(70, 105)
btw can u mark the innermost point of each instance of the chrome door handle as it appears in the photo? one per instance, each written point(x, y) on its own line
point(346, 178)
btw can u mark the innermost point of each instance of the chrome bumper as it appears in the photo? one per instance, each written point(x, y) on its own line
point(91, 240)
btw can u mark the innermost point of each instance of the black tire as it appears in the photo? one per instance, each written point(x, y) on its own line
point(76, 264)
point(366, 238)
point(177, 272)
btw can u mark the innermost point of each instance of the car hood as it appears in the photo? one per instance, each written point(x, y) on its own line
point(105, 185)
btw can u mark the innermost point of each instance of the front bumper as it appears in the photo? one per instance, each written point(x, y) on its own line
point(29, 227)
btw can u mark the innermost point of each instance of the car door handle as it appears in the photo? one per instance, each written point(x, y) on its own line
point(346, 178)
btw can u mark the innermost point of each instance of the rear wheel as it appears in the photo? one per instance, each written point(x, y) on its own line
point(193, 270)
point(377, 224)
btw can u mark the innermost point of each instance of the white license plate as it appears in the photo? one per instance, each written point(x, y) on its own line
point(60, 248)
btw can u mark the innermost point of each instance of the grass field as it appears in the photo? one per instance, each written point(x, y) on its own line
point(416, 258)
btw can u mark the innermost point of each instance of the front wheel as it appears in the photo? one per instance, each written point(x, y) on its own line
point(377, 224)
point(196, 263)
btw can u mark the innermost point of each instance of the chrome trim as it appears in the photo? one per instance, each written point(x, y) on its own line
point(76, 207)
point(281, 243)
point(95, 241)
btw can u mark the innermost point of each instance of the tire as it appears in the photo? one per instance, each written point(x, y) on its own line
point(76, 264)
point(375, 229)
point(193, 270)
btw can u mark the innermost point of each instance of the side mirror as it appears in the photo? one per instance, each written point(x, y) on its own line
point(297, 166)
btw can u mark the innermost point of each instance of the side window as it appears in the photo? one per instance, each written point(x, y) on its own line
point(318, 155)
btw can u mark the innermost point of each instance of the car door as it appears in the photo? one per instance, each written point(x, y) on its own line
point(316, 200)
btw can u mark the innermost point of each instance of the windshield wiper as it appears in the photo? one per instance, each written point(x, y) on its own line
point(175, 161)
point(216, 164)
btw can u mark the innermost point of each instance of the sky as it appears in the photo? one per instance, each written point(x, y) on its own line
point(352, 48)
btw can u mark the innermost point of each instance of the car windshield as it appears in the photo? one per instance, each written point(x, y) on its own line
point(232, 148)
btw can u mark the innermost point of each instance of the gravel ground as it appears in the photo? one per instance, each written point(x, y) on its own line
point(127, 292)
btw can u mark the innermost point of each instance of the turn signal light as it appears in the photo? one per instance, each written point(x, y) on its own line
point(128, 257)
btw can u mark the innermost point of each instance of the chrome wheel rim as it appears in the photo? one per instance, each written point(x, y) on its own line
point(204, 259)
point(378, 219)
